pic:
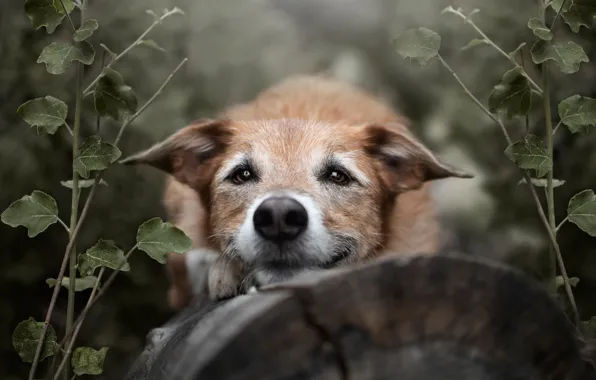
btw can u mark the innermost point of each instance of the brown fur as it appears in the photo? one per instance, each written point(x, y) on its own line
point(285, 127)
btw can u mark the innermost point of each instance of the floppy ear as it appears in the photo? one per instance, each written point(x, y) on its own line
point(187, 153)
point(406, 164)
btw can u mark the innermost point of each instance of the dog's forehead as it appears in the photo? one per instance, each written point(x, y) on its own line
point(293, 140)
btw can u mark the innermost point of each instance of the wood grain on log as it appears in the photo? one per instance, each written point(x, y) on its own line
point(428, 317)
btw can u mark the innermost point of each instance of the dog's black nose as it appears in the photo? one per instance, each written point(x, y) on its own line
point(280, 219)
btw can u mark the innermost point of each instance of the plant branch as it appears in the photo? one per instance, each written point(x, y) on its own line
point(535, 197)
point(78, 326)
point(148, 103)
point(158, 21)
point(550, 196)
point(494, 45)
point(475, 99)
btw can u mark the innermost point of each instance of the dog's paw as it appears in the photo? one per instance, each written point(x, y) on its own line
point(226, 277)
point(198, 264)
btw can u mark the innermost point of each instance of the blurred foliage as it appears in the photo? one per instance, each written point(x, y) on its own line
point(235, 49)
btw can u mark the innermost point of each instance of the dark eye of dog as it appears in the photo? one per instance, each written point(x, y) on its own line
point(242, 175)
point(338, 177)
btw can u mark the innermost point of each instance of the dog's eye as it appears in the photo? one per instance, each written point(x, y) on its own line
point(242, 175)
point(338, 177)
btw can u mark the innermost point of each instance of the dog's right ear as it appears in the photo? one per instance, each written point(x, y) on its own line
point(187, 153)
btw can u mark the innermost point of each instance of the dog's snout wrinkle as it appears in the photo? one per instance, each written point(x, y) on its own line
point(280, 219)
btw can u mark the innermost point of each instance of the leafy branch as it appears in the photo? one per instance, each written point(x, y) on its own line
point(514, 96)
point(35, 341)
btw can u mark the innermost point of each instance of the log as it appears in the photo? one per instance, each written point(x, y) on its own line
point(428, 317)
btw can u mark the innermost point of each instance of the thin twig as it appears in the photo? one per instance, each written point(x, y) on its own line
point(72, 25)
point(475, 99)
point(535, 197)
point(562, 223)
point(495, 46)
point(148, 103)
point(68, 128)
point(557, 15)
point(64, 225)
point(557, 127)
point(89, 88)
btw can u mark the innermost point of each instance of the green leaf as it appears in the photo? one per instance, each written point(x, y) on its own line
point(83, 183)
point(475, 42)
point(87, 361)
point(152, 44)
point(47, 114)
point(573, 281)
point(59, 55)
point(420, 45)
point(539, 29)
point(86, 30)
point(578, 113)
point(542, 182)
point(112, 96)
point(157, 239)
point(36, 212)
point(80, 283)
point(27, 336)
point(576, 12)
point(104, 253)
point(530, 154)
point(45, 13)
point(95, 155)
point(513, 94)
point(582, 211)
point(567, 56)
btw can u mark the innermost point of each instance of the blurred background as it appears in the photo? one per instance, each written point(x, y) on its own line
point(235, 49)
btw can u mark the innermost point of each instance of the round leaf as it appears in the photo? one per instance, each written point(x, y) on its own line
point(46, 13)
point(582, 211)
point(539, 29)
point(36, 212)
point(59, 55)
point(530, 154)
point(80, 283)
point(47, 114)
point(157, 239)
point(112, 96)
point(95, 155)
point(567, 56)
point(87, 361)
point(420, 44)
point(576, 13)
point(26, 337)
point(578, 113)
point(513, 94)
point(103, 254)
point(86, 30)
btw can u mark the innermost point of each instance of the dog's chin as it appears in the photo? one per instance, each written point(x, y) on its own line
point(275, 267)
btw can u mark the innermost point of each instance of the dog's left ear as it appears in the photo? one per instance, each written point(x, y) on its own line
point(406, 164)
point(188, 153)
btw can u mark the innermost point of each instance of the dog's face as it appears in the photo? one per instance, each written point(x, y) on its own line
point(288, 195)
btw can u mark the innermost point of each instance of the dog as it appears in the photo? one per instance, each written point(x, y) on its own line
point(313, 174)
